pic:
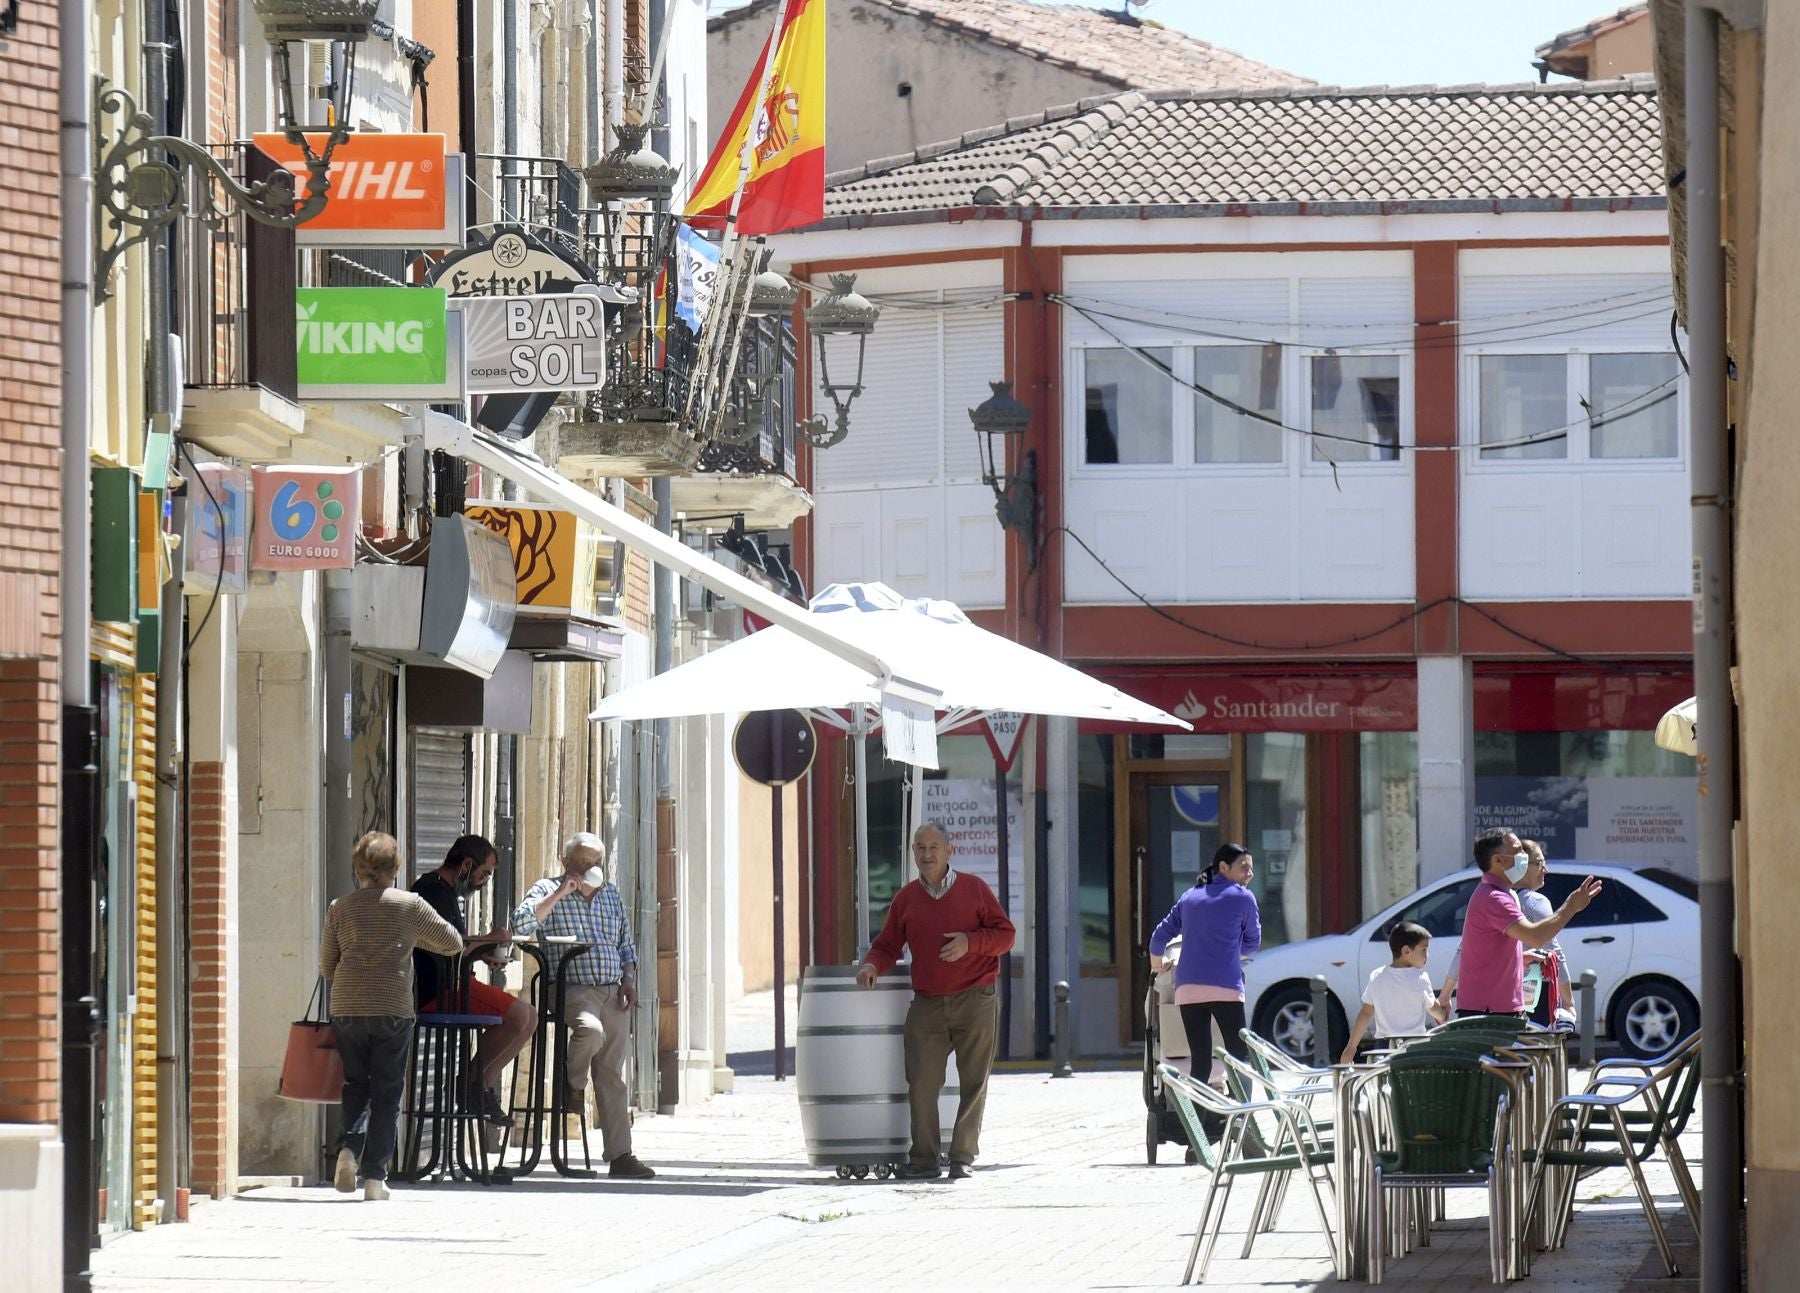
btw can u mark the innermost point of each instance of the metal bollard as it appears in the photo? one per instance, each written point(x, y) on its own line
point(1321, 1021)
point(1587, 1018)
point(1060, 1065)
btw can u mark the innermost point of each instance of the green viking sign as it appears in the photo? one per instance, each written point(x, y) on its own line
point(374, 343)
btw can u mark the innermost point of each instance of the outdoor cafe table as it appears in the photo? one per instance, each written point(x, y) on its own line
point(552, 1039)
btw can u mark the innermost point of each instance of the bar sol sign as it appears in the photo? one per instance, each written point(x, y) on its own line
point(374, 343)
point(534, 343)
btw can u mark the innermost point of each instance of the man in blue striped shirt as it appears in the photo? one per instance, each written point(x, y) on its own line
point(584, 904)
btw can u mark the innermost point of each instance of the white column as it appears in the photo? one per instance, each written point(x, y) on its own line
point(1446, 765)
point(1063, 910)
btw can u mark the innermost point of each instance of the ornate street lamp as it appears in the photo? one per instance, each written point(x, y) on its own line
point(771, 295)
point(843, 313)
point(632, 172)
point(1000, 420)
point(139, 179)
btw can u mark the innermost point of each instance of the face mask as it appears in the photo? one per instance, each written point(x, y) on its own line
point(1521, 864)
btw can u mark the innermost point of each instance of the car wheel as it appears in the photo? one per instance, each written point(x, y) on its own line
point(1285, 1018)
point(1652, 1016)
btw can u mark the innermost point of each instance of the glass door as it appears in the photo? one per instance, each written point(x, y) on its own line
point(1178, 820)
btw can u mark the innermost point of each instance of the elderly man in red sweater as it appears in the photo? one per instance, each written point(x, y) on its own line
point(957, 933)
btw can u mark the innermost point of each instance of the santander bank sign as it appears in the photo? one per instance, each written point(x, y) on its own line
point(1275, 703)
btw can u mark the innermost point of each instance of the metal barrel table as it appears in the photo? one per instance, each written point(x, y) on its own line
point(850, 1072)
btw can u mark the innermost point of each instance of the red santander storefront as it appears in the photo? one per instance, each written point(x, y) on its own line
point(1315, 770)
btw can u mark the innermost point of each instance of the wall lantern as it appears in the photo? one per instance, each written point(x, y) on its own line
point(843, 313)
point(1001, 420)
point(139, 178)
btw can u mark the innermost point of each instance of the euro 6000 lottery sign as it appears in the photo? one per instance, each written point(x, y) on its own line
point(306, 518)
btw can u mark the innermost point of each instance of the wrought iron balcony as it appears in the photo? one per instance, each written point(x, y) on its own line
point(751, 470)
point(237, 280)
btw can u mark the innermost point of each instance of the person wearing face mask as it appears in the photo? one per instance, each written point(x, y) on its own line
point(583, 905)
point(467, 867)
point(1553, 965)
point(1496, 931)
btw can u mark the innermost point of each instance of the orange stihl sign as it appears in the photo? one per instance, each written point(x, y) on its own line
point(379, 182)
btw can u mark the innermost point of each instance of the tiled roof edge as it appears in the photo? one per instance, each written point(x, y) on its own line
point(1070, 139)
point(1635, 83)
point(969, 139)
point(1420, 206)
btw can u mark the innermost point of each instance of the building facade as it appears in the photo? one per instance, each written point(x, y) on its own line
point(1372, 469)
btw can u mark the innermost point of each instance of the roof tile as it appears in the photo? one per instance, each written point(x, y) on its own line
point(1290, 146)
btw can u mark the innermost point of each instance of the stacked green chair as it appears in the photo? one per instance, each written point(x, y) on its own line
point(1297, 1147)
point(1450, 1114)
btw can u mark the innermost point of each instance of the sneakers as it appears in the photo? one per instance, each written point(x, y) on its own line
point(374, 1191)
point(345, 1175)
point(629, 1165)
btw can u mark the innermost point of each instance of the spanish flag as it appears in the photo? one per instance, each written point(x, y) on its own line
point(785, 119)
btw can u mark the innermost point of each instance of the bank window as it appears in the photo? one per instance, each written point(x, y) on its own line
point(1129, 410)
point(1388, 768)
point(1355, 403)
point(1249, 377)
point(1094, 790)
point(1577, 408)
point(1275, 827)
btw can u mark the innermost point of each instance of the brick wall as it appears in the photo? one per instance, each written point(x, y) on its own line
point(213, 1080)
point(30, 274)
point(29, 713)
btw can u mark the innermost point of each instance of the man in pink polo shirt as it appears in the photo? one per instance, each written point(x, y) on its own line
point(1496, 933)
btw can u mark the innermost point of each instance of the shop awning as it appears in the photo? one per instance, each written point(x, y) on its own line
point(907, 704)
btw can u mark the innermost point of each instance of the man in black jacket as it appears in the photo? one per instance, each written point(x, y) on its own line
point(467, 867)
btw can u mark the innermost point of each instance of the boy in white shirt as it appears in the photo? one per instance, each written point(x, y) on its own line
point(1398, 999)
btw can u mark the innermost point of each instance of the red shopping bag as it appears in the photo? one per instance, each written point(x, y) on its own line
point(312, 1070)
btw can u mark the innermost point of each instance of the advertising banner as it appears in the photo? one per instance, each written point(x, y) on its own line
point(306, 518)
point(374, 343)
point(534, 343)
point(219, 517)
point(697, 262)
point(387, 190)
point(965, 806)
point(555, 555)
point(1597, 819)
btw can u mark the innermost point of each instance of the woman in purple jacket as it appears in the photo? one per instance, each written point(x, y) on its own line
point(1219, 925)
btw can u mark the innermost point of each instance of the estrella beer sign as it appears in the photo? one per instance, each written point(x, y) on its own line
point(375, 343)
point(306, 518)
point(386, 190)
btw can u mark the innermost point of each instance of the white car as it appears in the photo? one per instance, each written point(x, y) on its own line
point(1641, 937)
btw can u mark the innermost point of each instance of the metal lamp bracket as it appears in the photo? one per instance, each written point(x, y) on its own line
point(140, 187)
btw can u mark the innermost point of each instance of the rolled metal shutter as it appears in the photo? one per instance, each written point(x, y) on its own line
point(440, 795)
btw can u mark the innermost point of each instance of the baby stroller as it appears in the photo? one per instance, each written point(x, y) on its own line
point(1163, 1043)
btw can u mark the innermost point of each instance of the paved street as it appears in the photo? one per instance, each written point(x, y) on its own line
point(1065, 1201)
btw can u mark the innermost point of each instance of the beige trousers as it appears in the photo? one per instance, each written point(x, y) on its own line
point(599, 1029)
point(966, 1024)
